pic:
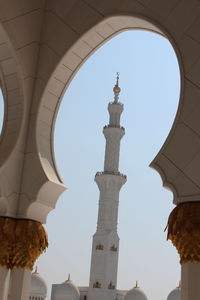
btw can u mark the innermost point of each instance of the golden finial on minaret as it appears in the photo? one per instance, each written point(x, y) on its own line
point(116, 88)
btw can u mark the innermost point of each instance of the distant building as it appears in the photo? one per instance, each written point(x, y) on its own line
point(38, 287)
point(175, 294)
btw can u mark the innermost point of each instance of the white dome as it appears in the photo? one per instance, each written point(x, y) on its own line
point(38, 286)
point(175, 294)
point(135, 294)
point(67, 291)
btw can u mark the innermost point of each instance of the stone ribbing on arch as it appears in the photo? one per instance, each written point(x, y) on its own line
point(179, 160)
point(20, 34)
point(11, 88)
point(10, 145)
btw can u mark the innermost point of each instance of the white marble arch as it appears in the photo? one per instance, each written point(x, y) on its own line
point(65, 35)
point(73, 59)
point(46, 43)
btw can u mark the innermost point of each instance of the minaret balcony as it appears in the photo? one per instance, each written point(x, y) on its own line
point(107, 178)
point(110, 173)
point(116, 103)
point(114, 131)
point(114, 126)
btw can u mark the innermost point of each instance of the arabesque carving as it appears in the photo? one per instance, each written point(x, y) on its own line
point(184, 231)
point(21, 242)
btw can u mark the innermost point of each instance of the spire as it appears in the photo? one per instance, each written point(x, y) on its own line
point(136, 284)
point(116, 89)
point(69, 279)
point(36, 271)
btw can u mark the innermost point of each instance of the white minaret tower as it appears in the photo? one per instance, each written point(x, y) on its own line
point(105, 248)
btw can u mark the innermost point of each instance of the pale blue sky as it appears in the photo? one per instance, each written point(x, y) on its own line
point(150, 84)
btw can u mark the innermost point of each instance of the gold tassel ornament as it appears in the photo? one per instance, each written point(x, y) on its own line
point(184, 231)
point(21, 242)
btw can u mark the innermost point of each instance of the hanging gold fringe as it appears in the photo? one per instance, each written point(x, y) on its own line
point(21, 242)
point(184, 231)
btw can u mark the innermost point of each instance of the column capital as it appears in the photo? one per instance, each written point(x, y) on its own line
point(21, 242)
point(184, 231)
point(105, 178)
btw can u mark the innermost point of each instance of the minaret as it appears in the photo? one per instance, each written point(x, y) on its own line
point(105, 248)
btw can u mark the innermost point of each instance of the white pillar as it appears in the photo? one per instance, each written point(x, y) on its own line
point(20, 281)
point(3, 283)
point(190, 281)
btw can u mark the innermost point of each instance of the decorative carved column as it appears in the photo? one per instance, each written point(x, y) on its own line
point(21, 243)
point(184, 232)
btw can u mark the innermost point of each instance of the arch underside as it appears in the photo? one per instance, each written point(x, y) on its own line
point(66, 35)
point(169, 162)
